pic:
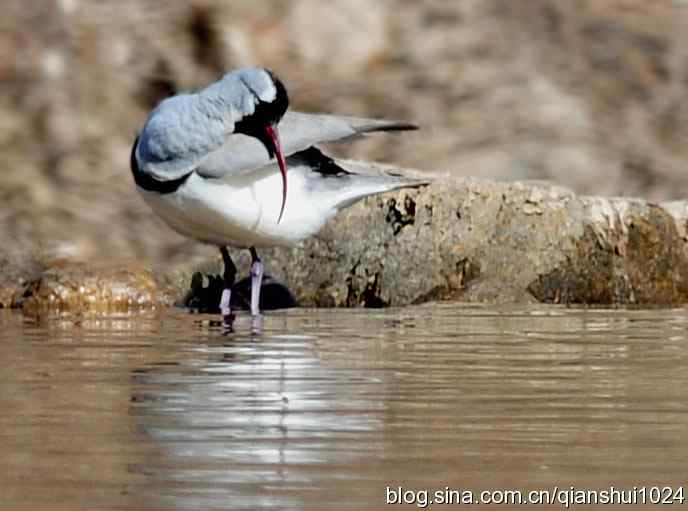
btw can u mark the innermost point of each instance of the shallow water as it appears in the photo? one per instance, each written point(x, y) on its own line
point(326, 408)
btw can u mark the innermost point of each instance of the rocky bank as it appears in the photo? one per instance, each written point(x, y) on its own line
point(485, 241)
point(456, 239)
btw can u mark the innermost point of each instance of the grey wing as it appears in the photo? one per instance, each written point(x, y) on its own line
point(298, 131)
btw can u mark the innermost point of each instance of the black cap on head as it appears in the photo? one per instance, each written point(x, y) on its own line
point(280, 104)
point(266, 112)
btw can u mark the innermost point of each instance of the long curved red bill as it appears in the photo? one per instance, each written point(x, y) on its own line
point(274, 136)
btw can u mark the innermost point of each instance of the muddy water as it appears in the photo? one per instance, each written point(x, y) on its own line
point(326, 409)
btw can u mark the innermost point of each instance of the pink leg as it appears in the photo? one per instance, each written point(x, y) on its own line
point(228, 278)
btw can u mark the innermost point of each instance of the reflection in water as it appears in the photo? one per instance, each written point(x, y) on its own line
point(331, 406)
point(254, 414)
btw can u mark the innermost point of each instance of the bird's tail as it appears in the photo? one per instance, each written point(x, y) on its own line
point(364, 179)
point(340, 183)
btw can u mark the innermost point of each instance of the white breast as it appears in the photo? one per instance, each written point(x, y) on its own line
point(242, 211)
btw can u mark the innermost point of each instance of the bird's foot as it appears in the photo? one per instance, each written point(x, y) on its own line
point(257, 324)
point(228, 322)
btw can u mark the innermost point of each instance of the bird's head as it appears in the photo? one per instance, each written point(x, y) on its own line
point(260, 100)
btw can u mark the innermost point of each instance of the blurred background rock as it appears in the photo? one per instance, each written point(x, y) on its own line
point(587, 93)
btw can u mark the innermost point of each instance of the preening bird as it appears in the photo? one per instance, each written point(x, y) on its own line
point(230, 165)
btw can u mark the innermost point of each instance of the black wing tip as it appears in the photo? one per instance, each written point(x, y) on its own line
point(390, 126)
point(397, 126)
point(405, 126)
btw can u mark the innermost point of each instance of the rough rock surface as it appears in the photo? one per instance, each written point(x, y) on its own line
point(84, 289)
point(456, 239)
point(487, 241)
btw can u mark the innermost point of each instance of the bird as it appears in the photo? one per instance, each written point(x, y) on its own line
point(230, 165)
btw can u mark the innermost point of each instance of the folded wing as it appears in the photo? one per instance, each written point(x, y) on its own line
point(241, 154)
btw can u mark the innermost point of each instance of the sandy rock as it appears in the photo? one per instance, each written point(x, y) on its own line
point(487, 241)
point(83, 289)
point(9, 292)
point(16, 270)
point(456, 239)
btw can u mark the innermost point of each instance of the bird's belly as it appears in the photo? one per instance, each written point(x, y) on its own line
point(239, 215)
